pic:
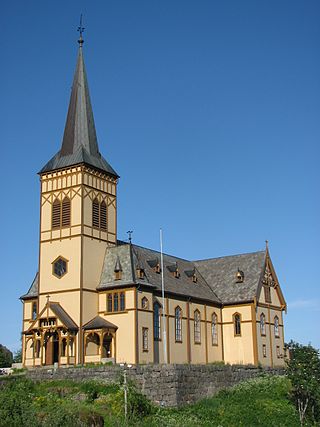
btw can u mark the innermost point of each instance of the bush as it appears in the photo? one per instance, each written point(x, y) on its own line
point(303, 369)
point(6, 357)
point(16, 408)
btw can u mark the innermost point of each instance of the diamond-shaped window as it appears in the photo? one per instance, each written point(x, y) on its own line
point(59, 267)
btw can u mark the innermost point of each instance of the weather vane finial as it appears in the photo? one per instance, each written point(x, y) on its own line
point(81, 30)
point(130, 235)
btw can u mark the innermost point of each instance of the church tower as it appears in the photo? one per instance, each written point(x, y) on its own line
point(78, 221)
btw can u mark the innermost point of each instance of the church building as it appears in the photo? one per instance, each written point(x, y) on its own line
point(97, 299)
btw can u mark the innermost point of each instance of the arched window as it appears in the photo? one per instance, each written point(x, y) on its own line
point(145, 339)
point(276, 327)
point(178, 324)
point(237, 324)
point(103, 215)
point(122, 301)
point(66, 212)
point(95, 213)
point(156, 321)
point(214, 329)
point(197, 327)
point(56, 214)
point(34, 311)
point(262, 324)
point(109, 303)
point(115, 302)
point(145, 303)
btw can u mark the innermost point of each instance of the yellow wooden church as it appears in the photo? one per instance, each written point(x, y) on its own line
point(96, 299)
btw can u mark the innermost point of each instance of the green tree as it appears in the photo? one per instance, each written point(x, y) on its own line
point(5, 357)
point(18, 356)
point(303, 369)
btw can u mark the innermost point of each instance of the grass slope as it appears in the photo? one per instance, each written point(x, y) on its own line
point(259, 402)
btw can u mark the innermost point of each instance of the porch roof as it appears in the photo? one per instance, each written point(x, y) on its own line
point(99, 323)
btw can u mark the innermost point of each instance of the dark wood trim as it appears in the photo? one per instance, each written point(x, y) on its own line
point(188, 333)
point(254, 335)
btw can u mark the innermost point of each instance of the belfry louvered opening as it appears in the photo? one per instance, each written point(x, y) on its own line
point(66, 212)
point(103, 216)
point(56, 214)
point(61, 213)
point(99, 214)
point(95, 213)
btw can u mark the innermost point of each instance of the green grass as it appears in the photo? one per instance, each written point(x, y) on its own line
point(260, 402)
point(63, 403)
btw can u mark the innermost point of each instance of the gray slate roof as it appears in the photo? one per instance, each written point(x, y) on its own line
point(220, 274)
point(216, 276)
point(33, 290)
point(63, 316)
point(133, 256)
point(79, 144)
point(99, 323)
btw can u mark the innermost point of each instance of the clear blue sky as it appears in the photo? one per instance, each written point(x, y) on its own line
point(208, 110)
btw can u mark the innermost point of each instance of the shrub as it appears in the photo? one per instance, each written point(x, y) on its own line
point(16, 404)
point(6, 357)
point(303, 369)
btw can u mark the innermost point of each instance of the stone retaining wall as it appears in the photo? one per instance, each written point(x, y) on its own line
point(165, 385)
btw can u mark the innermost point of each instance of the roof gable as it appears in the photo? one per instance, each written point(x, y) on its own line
point(269, 277)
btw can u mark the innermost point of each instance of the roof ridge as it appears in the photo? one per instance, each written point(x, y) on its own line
point(230, 256)
point(164, 253)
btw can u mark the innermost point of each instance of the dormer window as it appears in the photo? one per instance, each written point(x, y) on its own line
point(239, 276)
point(155, 265)
point(117, 275)
point(157, 269)
point(140, 273)
point(174, 270)
point(192, 275)
point(117, 270)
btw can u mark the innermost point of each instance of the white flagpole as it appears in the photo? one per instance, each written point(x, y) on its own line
point(163, 305)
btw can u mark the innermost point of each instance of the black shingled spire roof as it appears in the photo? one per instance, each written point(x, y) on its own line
point(79, 144)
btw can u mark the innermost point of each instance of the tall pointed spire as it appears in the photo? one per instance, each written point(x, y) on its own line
point(79, 144)
point(80, 129)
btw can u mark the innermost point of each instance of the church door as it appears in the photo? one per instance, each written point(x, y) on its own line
point(52, 349)
point(49, 346)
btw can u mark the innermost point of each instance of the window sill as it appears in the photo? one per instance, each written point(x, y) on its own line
point(115, 312)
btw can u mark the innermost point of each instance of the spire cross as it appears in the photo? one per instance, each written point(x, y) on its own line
point(81, 30)
point(130, 235)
